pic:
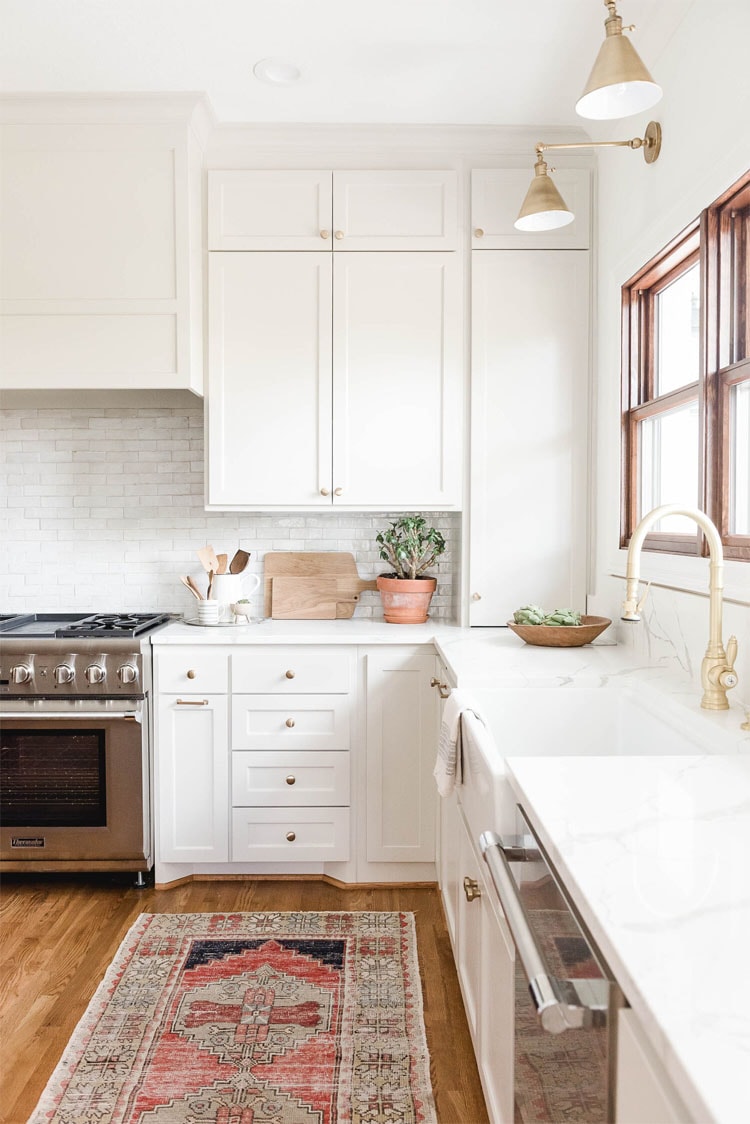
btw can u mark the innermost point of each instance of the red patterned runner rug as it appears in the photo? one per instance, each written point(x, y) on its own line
point(251, 1018)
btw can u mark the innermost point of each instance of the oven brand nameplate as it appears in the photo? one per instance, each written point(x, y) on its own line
point(28, 841)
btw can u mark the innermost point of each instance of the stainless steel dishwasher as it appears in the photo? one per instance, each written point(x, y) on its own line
point(566, 998)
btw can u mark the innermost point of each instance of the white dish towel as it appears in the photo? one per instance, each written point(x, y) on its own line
point(447, 769)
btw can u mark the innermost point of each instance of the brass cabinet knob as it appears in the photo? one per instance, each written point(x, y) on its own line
point(190, 674)
point(339, 234)
point(290, 722)
point(291, 779)
point(324, 492)
point(325, 234)
point(479, 233)
point(476, 597)
point(471, 889)
point(291, 836)
point(289, 674)
point(338, 491)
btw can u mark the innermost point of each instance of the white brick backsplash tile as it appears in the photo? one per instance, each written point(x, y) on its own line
point(128, 484)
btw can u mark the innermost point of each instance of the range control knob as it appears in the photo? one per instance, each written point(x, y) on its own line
point(95, 673)
point(127, 673)
point(21, 673)
point(64, 673)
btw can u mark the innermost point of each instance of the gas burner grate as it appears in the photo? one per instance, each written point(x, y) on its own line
point(113, 624)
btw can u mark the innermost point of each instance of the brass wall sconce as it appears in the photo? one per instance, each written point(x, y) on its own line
point(619, 84)
point(544, 207)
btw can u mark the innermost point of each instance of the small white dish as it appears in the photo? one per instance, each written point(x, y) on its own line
point(244, 609)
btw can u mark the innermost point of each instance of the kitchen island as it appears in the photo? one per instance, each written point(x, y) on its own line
point(654, 852)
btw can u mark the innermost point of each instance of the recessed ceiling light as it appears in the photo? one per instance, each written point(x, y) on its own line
point(276, 72)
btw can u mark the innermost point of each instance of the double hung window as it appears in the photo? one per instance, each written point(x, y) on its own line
point(686, 381)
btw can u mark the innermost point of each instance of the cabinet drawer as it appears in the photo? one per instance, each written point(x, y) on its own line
point(284, 780)
point(194, 670)
point(292, 670)
point(293, 835)
point(299, 722)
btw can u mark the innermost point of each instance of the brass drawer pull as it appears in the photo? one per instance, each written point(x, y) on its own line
point(290, 723)
point(479, 233)
point(289, 674)
point(291, 836)
point(192, 702)
point(291, 779)
point(443, 688)
point(190, 674)
point(471, 889)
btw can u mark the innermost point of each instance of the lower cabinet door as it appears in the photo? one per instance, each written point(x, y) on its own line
point(469, 964)
point(192, 778)
point(450, 825)
point(290, 835)
point(497, 1018)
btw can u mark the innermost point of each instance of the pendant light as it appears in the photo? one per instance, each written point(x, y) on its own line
point(544, 208)
point(619, 84)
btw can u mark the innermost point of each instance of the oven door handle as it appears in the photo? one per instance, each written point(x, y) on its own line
point(86, 715)
point(561, 1004)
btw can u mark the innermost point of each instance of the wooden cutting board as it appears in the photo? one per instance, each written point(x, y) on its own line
point(313, 564)
point(298, 599)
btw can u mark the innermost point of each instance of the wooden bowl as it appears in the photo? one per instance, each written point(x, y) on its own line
point(561, 635)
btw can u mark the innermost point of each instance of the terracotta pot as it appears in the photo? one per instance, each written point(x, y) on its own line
point(406, 601)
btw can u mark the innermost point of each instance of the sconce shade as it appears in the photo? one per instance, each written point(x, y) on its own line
point(544, 207)
point(619, 84)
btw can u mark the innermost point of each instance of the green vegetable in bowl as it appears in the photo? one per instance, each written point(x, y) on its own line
point(563, 617)
point(533, 614)
point(529, 614)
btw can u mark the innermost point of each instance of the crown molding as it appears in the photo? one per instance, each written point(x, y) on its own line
point(114, 109)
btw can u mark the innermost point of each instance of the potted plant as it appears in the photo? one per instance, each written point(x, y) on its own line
point(411, 547)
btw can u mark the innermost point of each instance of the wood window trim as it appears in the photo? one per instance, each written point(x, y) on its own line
point(714, 239)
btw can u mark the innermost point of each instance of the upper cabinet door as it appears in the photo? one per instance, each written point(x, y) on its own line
point(397, 380)
point(281, 210)
point(496, 198)
point(269, 408)
point(395, 210)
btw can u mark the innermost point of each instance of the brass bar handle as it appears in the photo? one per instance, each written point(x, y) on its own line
point(192, 702)
point(443, 688)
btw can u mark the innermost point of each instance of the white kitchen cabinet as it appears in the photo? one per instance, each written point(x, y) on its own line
point(100, 239)
point(529, 416)
point(192, 778)
point(401, 738)
point(644, 1092)
point(335, 211)
point(335, 381)
point(496, 198)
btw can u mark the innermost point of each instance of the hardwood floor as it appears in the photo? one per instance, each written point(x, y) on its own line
point(59, 936)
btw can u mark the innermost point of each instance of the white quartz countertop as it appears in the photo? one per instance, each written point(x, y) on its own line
point(655, 852)
point(360, 631)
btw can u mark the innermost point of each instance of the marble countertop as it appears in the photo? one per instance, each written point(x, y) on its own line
point(655, 852)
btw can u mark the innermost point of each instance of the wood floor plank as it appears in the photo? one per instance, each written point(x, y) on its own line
point(59, 935)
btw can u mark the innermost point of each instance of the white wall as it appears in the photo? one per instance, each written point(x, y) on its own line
point(101, 510)
point(705, 117)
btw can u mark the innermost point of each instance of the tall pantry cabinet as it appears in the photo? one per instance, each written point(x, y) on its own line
point(529, 401)
point(335, 340)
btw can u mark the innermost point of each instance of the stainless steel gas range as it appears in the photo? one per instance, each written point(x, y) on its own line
point(75, 742)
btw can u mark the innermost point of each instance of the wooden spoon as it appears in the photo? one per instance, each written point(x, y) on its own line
point(222, 563)
point(189, 584)
point(238, 563)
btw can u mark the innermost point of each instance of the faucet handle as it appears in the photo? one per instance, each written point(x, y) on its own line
point(731, 652)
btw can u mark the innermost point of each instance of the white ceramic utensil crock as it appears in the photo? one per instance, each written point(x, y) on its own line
point(227, 588)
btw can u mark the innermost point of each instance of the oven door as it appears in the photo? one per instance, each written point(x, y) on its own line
point(74, 786)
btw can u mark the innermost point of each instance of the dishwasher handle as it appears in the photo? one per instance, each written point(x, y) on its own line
point(561, 1004)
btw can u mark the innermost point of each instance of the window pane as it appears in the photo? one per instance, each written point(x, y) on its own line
point(668, 462)
point(677, 332)
point(739, 459)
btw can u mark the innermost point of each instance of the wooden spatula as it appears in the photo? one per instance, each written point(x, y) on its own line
point(238, 563)
point(222, 561)
point(208, 558)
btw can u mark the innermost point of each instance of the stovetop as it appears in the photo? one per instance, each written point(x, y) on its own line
point(69, 626)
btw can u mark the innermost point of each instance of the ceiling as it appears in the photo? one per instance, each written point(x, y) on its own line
point(400, 61)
